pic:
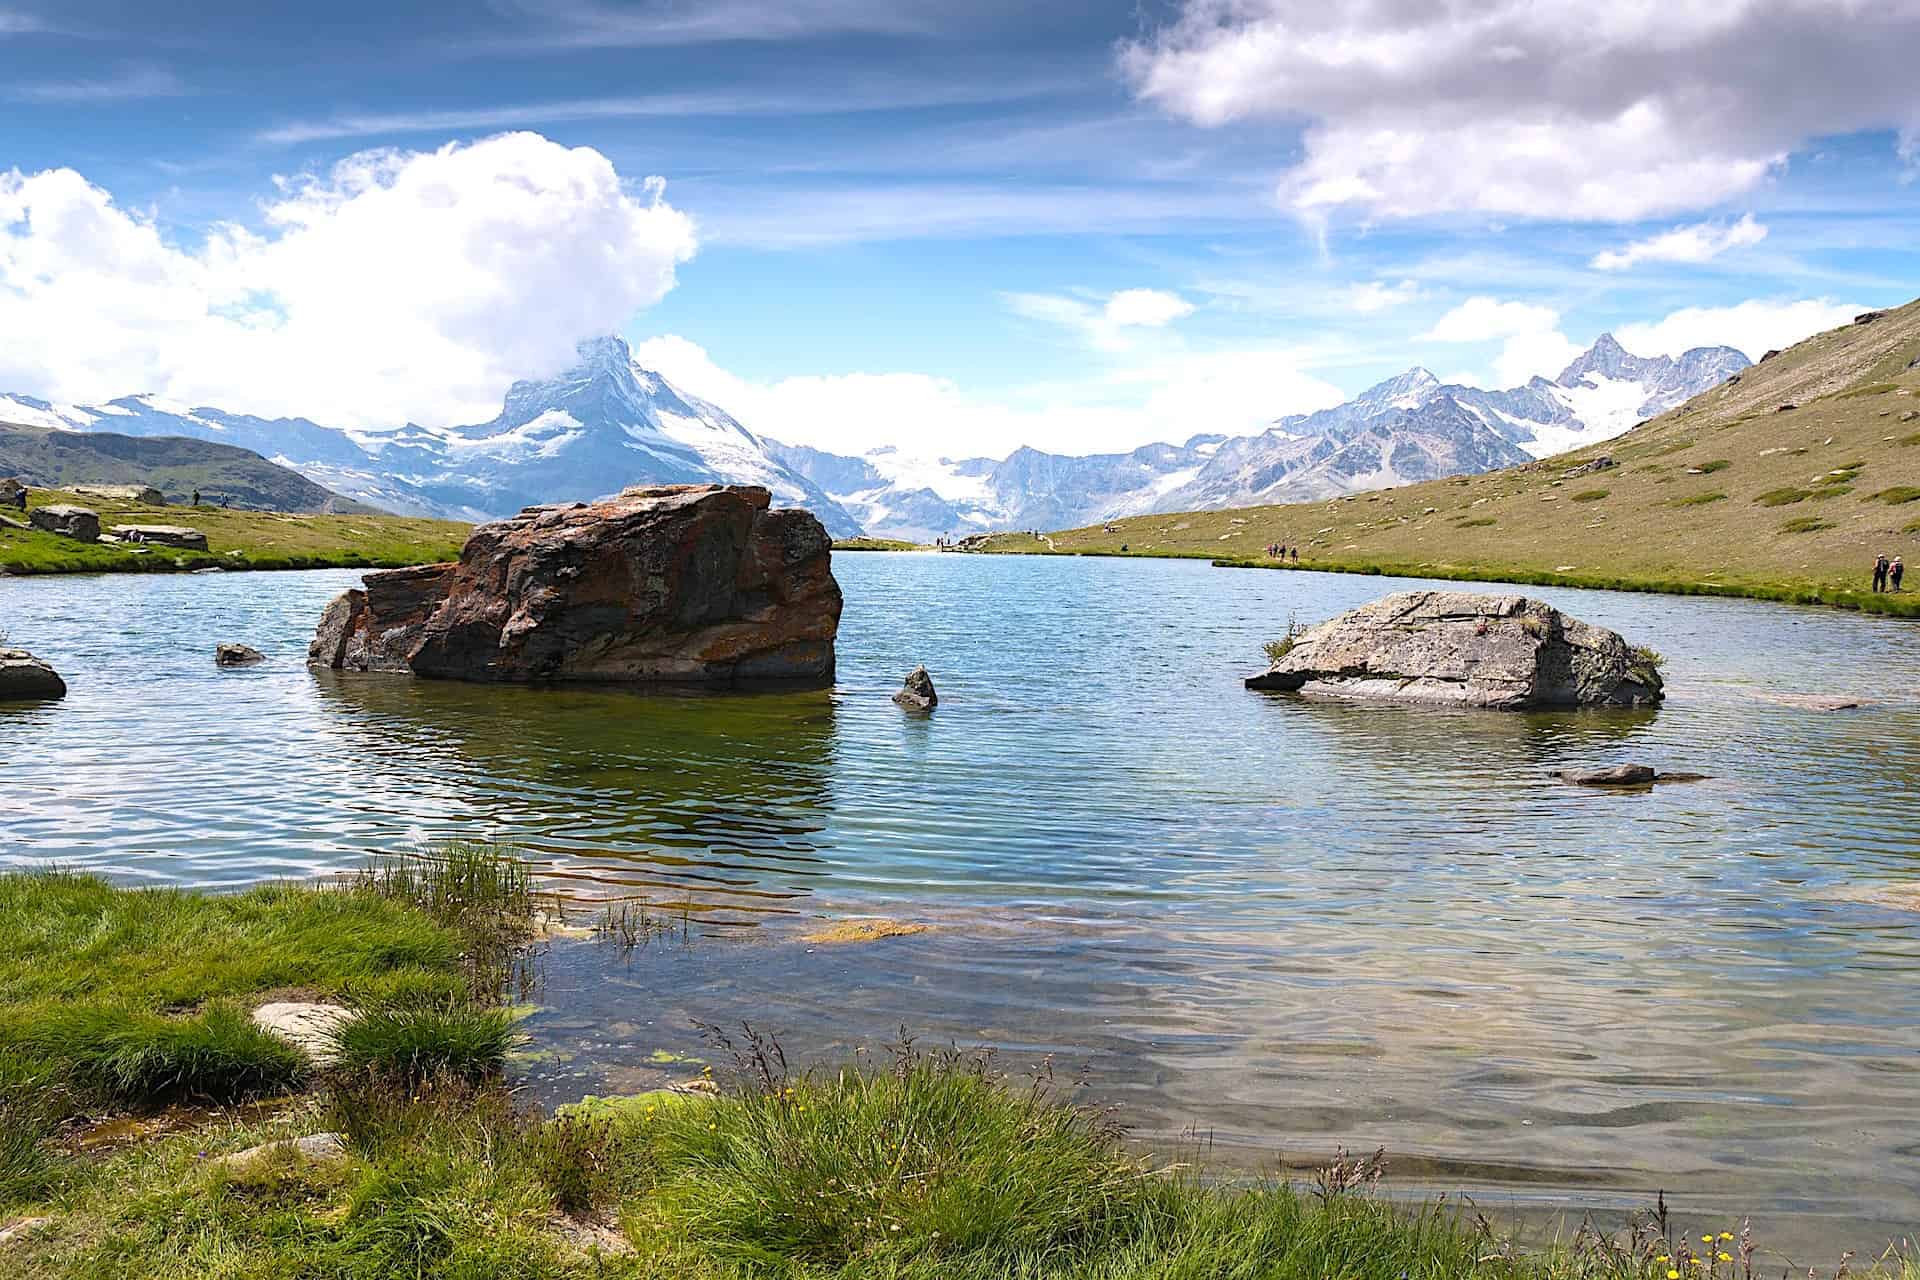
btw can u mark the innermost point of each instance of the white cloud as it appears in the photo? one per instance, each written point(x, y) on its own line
point(1586, 109)
point(1533, 344)
point(1479, 319)
point(1169, 397)
point(398, 286)
point(1755, 327)
point(1104, 324)
point(1377, 295)
point(1150, 308)
point(1528, 355)
point(1701, 242)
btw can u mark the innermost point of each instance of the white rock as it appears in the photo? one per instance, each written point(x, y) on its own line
point(309, 1026)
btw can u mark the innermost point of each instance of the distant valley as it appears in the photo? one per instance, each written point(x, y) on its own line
point(608, 422)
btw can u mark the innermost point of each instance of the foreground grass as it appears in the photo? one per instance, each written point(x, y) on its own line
point(1782, 485)
point(235, 540)
point(913, 1166)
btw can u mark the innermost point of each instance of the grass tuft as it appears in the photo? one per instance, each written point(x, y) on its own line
point(1700, 499)
point(1590, 495)
point(414, 1043)
point(1895, 496)
point(1806, 524)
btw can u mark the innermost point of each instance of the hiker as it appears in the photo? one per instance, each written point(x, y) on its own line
point(196, 497)
point(1880, 567)
point(20, 497)
point(1894, 572)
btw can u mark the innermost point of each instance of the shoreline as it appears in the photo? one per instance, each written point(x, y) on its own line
point(293, 1165)
point(1903, 604)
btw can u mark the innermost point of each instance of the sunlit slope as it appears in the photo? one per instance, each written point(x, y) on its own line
point(1786, 480)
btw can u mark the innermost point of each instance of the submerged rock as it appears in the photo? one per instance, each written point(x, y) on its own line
point(700, 584)
point(77, 523)
point(25, 678)
point(237, 655)
point(916, 691)
point(1619, 775)
point(1455, 648)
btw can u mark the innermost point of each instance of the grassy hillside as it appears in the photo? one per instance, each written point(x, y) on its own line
point(235, 540)
point(175, 465)
point(1782, 483)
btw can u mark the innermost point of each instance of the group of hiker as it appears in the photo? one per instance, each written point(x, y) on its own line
point(1887, 573)
point(1279, 551)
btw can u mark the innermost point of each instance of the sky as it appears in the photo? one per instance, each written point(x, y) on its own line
point(955, 228)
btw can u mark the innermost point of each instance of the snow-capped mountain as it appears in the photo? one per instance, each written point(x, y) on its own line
point(1412, 427)
point(607, 423)
point(602, 425)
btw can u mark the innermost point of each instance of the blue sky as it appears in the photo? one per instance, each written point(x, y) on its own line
point(951, 227)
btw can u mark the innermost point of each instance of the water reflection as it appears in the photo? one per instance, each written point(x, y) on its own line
point(1285, 923)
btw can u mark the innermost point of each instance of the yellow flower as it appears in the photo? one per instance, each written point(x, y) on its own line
point(1706, 1239)
point(1672, 1274)
point(1663, 1258)
point(1726, 1235)
point(1726, 1257)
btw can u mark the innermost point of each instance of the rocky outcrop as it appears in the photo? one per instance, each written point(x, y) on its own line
point(1454, 648)
point(165, 535)
point(25, 678)
point(236, 655)
point(69, 522)
point(144, 495)
point(916, 691)
point(669, 584)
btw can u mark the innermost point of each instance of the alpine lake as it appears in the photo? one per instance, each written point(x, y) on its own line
point(1258, 927)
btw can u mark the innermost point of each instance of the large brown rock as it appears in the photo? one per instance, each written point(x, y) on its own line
point(676, 584)
point(1459, 649)
point(71, 522)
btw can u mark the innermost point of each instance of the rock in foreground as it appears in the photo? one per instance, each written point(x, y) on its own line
point(1455, 648)
point(702, 584)
point(25, 678)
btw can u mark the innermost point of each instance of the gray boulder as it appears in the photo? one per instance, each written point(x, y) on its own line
point(916, 691)
point(236, 655)
point(1455, 648)
point(25, 678)
point(69, 522)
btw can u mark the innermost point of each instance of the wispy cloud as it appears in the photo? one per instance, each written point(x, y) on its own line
point(591, 24)
point(1104, 323)
point(842, 99)
point(1700, 242)
point(131, 84)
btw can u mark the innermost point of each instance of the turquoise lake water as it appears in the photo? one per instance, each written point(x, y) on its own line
point(1269, 925)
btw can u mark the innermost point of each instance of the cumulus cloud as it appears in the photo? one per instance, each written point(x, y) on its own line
point(1755, 326)
point(1590, 109)
point(1701, 242)
point(1168, 397)
point(1104, 323)
point(399, 285)
point(1533, 344)
point(1480, 318)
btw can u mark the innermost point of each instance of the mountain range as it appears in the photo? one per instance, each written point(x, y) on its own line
point(607, 422)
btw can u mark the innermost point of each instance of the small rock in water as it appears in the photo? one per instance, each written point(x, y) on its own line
point(1619, 775)
point(916, 691)
point(237, 655)
point(25, 678)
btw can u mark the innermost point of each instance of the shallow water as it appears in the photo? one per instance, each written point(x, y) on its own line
point(1276, 924)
